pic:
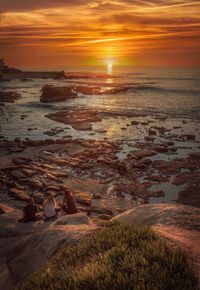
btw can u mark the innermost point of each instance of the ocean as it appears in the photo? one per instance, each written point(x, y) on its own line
point(170, 93)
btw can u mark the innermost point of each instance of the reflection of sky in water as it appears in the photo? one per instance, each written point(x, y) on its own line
point(171, 191)
point(149, 101)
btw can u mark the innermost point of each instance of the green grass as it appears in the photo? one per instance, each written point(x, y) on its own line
point(117, 257)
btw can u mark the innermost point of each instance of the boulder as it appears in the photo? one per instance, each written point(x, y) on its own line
point(56, 94)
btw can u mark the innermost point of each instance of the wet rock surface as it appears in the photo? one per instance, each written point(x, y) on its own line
point(56, 94)
point(79, 120)
point(8, 97)
point(94, 172)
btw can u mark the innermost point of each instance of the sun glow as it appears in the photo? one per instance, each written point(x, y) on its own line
point(110, 68)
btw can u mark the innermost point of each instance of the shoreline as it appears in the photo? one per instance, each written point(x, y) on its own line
point(113, 163)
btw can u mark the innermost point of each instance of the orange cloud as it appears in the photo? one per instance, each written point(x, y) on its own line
point(88, 32)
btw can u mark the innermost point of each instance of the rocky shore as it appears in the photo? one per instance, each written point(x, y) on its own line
point(94, 169)
point(136, 168)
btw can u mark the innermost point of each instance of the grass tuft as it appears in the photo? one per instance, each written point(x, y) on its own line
point(117, 257)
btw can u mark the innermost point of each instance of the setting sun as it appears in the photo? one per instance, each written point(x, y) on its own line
point(109, 68)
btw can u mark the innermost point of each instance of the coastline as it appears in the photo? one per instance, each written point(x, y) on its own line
point(112, 162)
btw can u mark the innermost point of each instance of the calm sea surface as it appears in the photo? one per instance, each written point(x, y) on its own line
point(158, 92)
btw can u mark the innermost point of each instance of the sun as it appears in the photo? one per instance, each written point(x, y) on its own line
point(110, 68)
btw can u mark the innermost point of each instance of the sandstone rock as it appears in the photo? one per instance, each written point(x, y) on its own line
point(21, 160)
point(82, 126)
point(52, 176)
point(104, 217)
point(19, 194)
point(142, 154)
point(73, 219)
point(158, 193)
point(79, 120)
point(5, 208)
point(29, 172)
point(41, 244)
point(170, 143)
point(38, 197)
point(149, 138)
point(187, 177)
point(135, 123)
point(157, 178)
point(189, 137)
point(162, 214)
point(60, 174)
point(15, 149)
point(190, 196)
point(36, 183)
point(102, 210)
point(152, 132)
point(56, 94)
point(97, 196)
point(174, 166)
point(83, 197)
point(194, 155)
point(55, 188)
point(161, 149)
point(9, 97)
point(161, 130)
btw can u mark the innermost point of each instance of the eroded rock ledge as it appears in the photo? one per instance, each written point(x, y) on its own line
point(178, 224)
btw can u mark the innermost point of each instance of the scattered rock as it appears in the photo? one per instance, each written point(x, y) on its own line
point(189, 137)
point(104, 217)
point(56, 94)
point(9, 97)
point(29, 172)
point(38, 197)
point(83, 197)
point(5, 208)
point(152, 132)
point(36, 183)
point(19, 194)
point(79, 120)
point(102, 210)
point(97, 196)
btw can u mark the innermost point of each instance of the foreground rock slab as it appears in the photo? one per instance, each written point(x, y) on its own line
point(26, 247)
point(178, 224)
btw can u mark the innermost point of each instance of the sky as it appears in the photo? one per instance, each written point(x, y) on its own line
point(50, 34)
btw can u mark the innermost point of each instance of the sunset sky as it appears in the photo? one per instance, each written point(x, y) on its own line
point(63, 33)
